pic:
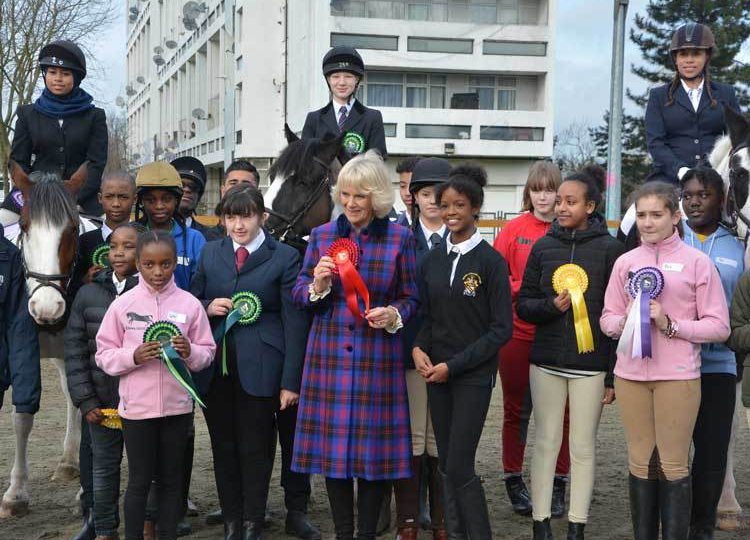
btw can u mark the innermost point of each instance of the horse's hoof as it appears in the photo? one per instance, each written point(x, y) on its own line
point(65, 473)
point(9, 509)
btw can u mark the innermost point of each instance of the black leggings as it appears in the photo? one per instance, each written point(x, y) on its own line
point(713, 426)
point(458, 413)
point(155, 447)
point(341, 498)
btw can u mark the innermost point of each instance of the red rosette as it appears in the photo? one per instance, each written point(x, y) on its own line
point(345, 255)
point(343, 250)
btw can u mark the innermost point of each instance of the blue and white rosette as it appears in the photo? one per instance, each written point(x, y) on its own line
point(643, 286)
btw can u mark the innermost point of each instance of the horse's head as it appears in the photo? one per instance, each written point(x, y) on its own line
point(48, 239)
point(735, 169)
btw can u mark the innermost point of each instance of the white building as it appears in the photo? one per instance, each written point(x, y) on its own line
point(464, 79)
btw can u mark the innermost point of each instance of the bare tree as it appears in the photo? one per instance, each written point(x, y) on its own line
point(25, 27)
point(117, 132)
point(574, 147)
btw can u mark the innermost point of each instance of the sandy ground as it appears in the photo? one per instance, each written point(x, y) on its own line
point(54, 510)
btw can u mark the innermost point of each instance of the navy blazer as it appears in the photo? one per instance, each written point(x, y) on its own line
point(677, 135)
point(270, 352)
point(361, 120)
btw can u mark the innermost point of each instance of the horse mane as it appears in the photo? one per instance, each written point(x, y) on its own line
point(296, 159)
point(49, 200)
point(720, 151)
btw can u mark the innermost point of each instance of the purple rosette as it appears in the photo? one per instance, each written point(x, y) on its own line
point(644, 285)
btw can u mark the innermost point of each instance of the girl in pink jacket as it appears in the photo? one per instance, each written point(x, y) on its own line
point(658, 362)
point(155, 409)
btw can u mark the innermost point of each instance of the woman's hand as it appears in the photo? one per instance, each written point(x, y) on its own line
point(562, 301)
point(88, 278)
point(381, 317)
point(322, 274)
point(288, 399)
point(609, 396)
point(656, 313)
point(94, 416)
point(438, 374)
point(147, 352)
point(422, 361)
point(219, 307)
point(182, 346)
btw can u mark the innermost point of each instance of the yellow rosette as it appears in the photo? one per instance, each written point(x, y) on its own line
point(574, 278)
point(111, 419)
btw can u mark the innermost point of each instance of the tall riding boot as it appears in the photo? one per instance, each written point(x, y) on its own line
point(406, 491)
point(706, 493)
point(454, 525)
point(473, 507)
point(341, 499)
point(542, 530)
point(436, 500)
point(674, 505)
point(644, 508)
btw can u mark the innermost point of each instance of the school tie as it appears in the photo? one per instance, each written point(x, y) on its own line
point(342, 117)
point(241, 255)
point(452, 254)
point(435, 240)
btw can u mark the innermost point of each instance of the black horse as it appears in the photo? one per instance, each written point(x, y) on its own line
point(299, 198)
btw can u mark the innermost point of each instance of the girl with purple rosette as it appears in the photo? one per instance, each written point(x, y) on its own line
point(664, 299)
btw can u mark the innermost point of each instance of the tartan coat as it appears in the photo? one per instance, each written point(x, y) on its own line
point(353, 418)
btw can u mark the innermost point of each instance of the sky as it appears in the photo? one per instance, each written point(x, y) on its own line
point(582, 61)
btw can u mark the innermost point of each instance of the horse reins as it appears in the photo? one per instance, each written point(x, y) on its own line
point(47, 280)
point(732, 210)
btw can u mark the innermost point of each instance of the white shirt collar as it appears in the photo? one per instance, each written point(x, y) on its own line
point(337, 107)
point(254, 244)
point(106, 232)
point(428, 233)
point(694, 94)
point(119, 285)
point(466, 246)
point(189, 221)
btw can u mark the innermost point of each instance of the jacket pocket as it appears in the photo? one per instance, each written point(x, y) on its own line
point(273, 337)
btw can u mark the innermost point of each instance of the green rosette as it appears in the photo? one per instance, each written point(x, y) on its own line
point(354, 143)
point(162, 332)
point(100, 257)
point(246, 310)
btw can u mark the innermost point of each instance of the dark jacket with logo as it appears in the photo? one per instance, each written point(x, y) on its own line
point(40, 143)
point(596, 251)
point(270, 352)
point(89, 386)
point(677, 135)
point(19, 345)
point(361, 121)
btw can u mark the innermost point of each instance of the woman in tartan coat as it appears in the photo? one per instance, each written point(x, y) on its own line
point(353, 418)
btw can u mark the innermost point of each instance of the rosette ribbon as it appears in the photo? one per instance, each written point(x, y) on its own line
point(643, 286)
point(100, 257)
point(574, 278)
point(345, 255)
point(163, 332)
point(246, 310)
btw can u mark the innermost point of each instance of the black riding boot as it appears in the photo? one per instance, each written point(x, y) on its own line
point(644, 508)
point(543, 530)
point(706, 494)
point(454, 524)
point(575, 530)
point(87, 532)
point(674, 505)
point(473, 507)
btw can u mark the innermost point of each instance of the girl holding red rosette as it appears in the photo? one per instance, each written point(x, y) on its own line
point(663, 301)
point(571, 359)
point(358, 282)
point(514, 243)
point(467, 317)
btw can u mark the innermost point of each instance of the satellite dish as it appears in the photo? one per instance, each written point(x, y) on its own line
point(141, 79)
point(134, 10)
point(129, 90)
point(199, 114)
point(170, 44)
point(189, 24)
point(119, 101)
point(191, 9)
point(158, 60)
point(158, 50)
point(132, 17)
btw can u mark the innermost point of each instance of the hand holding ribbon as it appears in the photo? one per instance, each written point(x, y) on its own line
point(246, 309)
point(644, 286)
point(573, 278)
point(345, 255)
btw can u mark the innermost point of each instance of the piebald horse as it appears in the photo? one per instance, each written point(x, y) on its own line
point(47, 234)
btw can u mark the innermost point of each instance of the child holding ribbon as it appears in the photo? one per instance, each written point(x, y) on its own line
point(571, 359)
point(150, 337)
point(245, 281)
point(664, 299)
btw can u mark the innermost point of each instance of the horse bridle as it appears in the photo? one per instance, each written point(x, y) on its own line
point(289, 222)
point(733, 211)
point(46, 280)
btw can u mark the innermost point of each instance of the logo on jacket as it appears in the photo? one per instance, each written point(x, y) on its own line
point(472, 282)
point(354, 143)
point(524, 241)
point(133, 317)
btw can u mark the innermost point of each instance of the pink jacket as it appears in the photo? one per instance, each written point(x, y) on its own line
point(693, 297)
point(149, 390)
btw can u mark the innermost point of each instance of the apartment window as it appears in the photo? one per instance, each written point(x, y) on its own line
point(506, 93)
point(390, 89)
point(437, 131)
point(509, 133)
point(462, 11)
point(484, 86)
point(384, 89)
point(515, 48)
point(435, 45)
point(390, 129)
point(362, 41)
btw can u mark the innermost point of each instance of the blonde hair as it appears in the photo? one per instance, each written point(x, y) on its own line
point(543, 175)
point(367, 173)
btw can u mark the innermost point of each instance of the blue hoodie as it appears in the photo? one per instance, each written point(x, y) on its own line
point(728, 255)
point(188, 252)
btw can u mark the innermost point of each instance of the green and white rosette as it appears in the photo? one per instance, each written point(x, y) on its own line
point(163, 332)
point(245, 311)
point(100, 257)
point(354, 143)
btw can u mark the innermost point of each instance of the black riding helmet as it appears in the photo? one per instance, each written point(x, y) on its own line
point(343, 59)
point(692, 36)
point(428, 172)
point(64, 54)
point(192, 169)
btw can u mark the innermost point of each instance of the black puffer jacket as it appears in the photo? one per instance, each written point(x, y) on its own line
point(595, 250)
point(89, 386)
